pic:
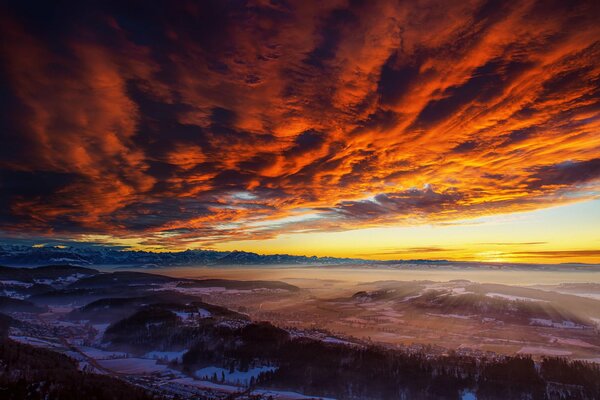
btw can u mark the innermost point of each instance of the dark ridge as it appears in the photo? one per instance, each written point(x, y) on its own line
point(115, 308)
point(141, 320)
point(6, 321)
point(160, 297)
point(82, 296)
point(106, 255)
point(43, 272)
point(163, 313)
point(157, 326)
point(51, 270)
point(125, 278)
point(8, 304)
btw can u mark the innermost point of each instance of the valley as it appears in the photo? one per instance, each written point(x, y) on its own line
point(221, 338)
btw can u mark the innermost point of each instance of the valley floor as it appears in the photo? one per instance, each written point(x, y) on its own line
point(160, 333)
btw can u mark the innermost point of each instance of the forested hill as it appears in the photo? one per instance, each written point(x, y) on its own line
point(33, 373)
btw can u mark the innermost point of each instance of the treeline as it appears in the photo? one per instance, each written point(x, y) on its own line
point(324, 369)
point(518, 311)
point(331, 370)
point(32, 373)
point(157, 328)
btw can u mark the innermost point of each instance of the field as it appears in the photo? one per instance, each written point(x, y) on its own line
point(207, 335)
point(460, 314)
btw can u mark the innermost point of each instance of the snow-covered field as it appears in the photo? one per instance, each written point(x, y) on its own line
point(62, 309)
point(34, 341)
point(458, 316)
point(274, 394)
point(334, 340)
point(468, 395)
point(552, 324)
point(99, 354)
point(132, 365)
point(286, 395)
point(543, 351)
point(206, 384)
point(512, 298)
point(573, 342)
point(16, 283)
point(460, 291)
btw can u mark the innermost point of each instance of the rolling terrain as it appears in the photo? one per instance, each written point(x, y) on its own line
point(212, 338)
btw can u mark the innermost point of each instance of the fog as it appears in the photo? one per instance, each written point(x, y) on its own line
point(335, 275)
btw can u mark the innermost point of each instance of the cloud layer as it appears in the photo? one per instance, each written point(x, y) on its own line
point(201, 122)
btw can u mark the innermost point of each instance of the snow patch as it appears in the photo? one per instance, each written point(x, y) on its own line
point(33, 341)
point(460, 291)
point(512, 298)
point(468, 395)
point(286, 395)
point(575, 342)
point(458, 316)
point(99, 354)
point(16, 283)
point(551, 324)
point(132, 365)
point(544, 351)
point(334, 340)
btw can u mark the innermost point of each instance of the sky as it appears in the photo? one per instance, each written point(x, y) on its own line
point(381, 129)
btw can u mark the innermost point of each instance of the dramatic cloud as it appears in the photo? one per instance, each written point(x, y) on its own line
point(409, 203)
point(187, 123)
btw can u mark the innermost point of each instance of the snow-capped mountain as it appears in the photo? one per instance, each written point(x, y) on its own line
point(11, 254)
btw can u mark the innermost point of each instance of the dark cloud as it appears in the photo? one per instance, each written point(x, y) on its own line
point(21, 190)
point(258, 162)
point(518, 135)
point(222, 117)
point(465, 147)
point(486, 82)
point(497, 177)
point(407, 203)
point(330, 34)
point(34, 184)
point(157, 214)
point(202, 118)
point(306, 142)
point(396, 78)
point(565, 174)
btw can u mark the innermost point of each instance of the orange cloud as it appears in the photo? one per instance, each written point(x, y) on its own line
point(210, 122)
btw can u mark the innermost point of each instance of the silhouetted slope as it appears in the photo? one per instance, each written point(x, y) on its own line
point(51, 272)
point(8, 304)
point(121, 279)
point(28, 372)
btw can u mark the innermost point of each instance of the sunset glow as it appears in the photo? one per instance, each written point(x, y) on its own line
point(460, 130)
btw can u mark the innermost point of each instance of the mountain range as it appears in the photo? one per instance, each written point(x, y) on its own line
point(16, 254)
point(19, 254)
